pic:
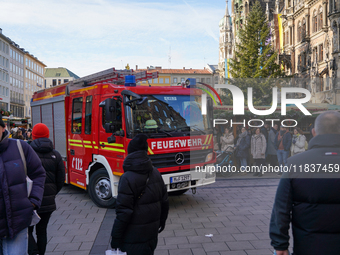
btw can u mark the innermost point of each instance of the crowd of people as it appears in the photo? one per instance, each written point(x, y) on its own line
point(262, 145)
point(22, 134)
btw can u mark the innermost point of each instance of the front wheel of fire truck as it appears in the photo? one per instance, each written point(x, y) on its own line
point(100, 189)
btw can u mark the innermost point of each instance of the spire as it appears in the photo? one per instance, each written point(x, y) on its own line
point(227, 18)
point(226, 10)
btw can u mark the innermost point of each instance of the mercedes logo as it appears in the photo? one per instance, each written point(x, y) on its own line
point(179, 158)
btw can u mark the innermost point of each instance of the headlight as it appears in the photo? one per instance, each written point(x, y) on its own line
point(209, 157)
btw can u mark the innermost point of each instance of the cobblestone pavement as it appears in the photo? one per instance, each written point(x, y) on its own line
point(230, 217)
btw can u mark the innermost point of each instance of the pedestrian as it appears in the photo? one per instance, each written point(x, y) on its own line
point(272, 153)
point(264, 130)
point(55, 178)
point(142, 203)
point(242, 148)
point(298, 142)
point(283, 141)
point(310, 200)
point(18, 135)
point(29, 137)
point(16, 206)
point(258, 150)
point(227, 140)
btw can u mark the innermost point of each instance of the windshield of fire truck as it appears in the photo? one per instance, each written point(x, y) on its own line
point(167, 115)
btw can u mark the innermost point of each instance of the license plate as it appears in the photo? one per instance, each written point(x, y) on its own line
point(181, 178)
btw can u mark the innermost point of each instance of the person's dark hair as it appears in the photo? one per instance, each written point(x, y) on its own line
point(257, 129)
point(327, 123)
point(299, 130)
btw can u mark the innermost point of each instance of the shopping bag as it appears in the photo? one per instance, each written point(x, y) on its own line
point(115, 252)
point(35, 218)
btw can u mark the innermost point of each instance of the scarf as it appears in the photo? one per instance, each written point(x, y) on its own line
point(244, 134)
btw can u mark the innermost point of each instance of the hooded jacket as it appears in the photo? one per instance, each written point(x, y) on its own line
point(142, 206)
point(55, 172)
point(310, 200)
point(15, 207)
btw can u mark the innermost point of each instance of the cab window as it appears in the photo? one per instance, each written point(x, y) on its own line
point(77, 112)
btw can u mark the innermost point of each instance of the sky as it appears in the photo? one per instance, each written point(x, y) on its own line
point(87, 36)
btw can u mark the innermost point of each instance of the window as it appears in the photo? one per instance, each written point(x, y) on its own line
point(299, 32)
point(303, 29)
point(88, 115)
point(182, 79)
point(54, 82)
point(167, 80)
point(155, 80)
point(320, 52)
point(320, 21)
point(208, 80)
point(174, 80)
point(59, 81)
point(65, 80)
point(315, 22)
point(77, 112)
point(202, 80)
point(161, 80)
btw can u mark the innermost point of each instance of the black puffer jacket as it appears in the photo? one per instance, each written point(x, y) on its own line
point(139, 216)
point(310, 200)
point(55, 172)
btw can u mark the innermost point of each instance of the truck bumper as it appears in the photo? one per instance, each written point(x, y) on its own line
point(189, 179)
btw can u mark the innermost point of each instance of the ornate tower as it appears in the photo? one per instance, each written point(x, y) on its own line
point(225, 45)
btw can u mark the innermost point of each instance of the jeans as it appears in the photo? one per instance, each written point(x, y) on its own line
point(282, 157)
point(15, 246)
point(243, 162)
point(39, 246)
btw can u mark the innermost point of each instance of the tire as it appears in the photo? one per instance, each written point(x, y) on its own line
point(99, 189)
point(178, 192)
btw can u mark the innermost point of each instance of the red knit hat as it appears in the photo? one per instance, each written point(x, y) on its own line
point(40, 130)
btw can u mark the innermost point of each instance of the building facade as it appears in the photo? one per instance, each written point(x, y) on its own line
point(306, 36)
point(4, 74)
point(21, 74)
point(57, 76)
point(34, 79)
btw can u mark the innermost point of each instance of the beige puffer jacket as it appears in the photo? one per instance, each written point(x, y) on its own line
point(227, 140)
point(258, 146)
point(299, 145)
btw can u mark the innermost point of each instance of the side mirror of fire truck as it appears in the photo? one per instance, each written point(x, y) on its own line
point(109, 105)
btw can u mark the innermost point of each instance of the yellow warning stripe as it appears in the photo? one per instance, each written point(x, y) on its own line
point(113, 144)
point(88, 142)
point(113, 149)
point(96, 147)
point(77, 145)
point(49, 96)
point(88, 146)
point(150, 151)
point(77, 185)
point(80, 90)
point(117, 173)
point(75, 141)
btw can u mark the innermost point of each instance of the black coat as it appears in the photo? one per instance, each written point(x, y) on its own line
point(310, 201)
point(138, 217)
point(55, 172)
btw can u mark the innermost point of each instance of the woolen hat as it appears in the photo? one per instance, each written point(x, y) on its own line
point(138, 143)
point(2, 123)
point(40, 130)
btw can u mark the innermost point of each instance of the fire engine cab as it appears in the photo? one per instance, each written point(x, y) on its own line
point(92, 120)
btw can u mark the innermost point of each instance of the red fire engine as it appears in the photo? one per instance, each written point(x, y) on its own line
point(92, 120)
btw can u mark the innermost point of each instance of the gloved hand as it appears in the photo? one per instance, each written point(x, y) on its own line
point(116, 243)
point(161, 228)
point(294, 141)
